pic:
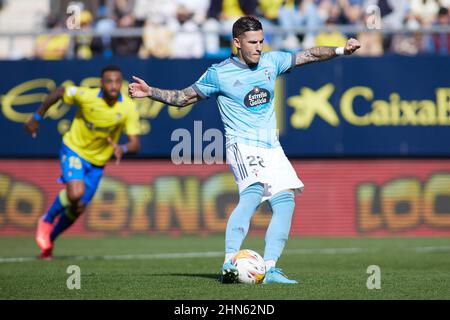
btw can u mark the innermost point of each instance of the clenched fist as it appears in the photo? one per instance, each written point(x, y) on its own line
point(351, 46)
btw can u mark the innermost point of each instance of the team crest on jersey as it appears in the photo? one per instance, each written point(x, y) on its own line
point(118, 116)
point(256, 97)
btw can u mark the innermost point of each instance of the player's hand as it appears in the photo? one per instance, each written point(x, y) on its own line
point(138, 89)
point(351, 46)
point(32, 126)
point(118, 152)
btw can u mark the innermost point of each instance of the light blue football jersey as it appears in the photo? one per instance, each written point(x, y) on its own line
point(245, 96)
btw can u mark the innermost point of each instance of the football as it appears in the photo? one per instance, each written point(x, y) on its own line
point(250, 266)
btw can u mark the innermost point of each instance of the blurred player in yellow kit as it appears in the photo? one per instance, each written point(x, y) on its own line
point(103, 113)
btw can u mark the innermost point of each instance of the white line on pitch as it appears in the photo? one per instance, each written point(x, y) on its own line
point(18, 259)
point(155, 256)
point(432, 249)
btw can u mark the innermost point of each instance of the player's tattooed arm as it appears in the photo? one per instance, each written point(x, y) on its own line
point(178, 98)
point(324, 53)
point(315, 54)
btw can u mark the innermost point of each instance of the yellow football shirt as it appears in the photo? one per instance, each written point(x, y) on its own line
point(95, 121)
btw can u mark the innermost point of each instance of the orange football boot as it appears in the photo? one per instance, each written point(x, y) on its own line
point(46, 254)
point(43, 238)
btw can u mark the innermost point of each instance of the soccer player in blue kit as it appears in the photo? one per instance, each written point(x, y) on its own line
point(243, 86)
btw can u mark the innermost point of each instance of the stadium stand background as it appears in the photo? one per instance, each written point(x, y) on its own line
point(189, 29)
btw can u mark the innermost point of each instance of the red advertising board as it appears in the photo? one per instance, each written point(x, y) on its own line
point(341, 198)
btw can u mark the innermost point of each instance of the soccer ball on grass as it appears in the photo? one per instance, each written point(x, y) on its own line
point(250, 266)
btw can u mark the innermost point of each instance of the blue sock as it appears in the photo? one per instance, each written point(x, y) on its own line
point(239, 221)
point(278, 231)
point(58, 206)
point(67, 216)
point(63, 223)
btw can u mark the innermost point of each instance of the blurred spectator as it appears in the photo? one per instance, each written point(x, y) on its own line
point(270, 9)
point(157, 40)
point(128, 45)
point(231, 9)
point(198, 8)
point(288, 19)
point(444, 4)
point(54, 46)
point(221, 15)
point(307, 13)
point(211, 29)
point(268, 13)
point(187, 41)
point(118, 10)
point(332, 37)
point(393, 12)
point(214, 10)
point(439, 42)
point(371, 41)
point(83, 42)
point(190, 28)
point(347, 11)
point(113, 14)
point(425, 10)
point(234, 9)
point(408, 43)
point(104, 25)
point(371, 44)
point(59, 7)
point(155, 12)
point(121, 11)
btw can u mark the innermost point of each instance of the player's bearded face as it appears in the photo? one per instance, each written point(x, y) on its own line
point(111, 83)
point(250, 45)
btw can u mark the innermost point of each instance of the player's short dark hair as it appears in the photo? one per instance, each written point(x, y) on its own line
point(244, 24)
point(111, 67)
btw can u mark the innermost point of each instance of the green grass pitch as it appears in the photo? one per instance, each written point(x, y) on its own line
point(187, 267)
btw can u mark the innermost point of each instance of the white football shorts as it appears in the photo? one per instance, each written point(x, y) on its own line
point(271, 167)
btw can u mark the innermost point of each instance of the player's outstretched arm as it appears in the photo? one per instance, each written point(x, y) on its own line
point(178, 98)
point(325, 53)
point(33, 123)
